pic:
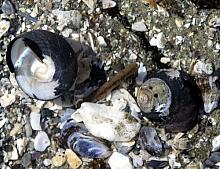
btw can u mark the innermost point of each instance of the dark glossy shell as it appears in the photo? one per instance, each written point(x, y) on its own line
point(175, 100)
point(36, 46)
point(77, 137)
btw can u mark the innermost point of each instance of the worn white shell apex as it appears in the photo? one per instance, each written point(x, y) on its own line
point(119, 161)
point(41, 141)
point(113, 123)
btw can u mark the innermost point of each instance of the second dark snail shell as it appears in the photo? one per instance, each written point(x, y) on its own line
point(171, 98)
point(44, 64)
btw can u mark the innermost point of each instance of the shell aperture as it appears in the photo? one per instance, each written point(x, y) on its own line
point(44, 64)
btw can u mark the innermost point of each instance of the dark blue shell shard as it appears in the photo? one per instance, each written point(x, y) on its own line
point(90, 147)
point(150, 141)
point(157, 164)
point(82, 142)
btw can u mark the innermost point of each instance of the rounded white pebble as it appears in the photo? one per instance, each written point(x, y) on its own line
point(216, 143)
point(119, 161)
point(35, 120)
point(47, 162)
point(139, 26)
point(41, 141)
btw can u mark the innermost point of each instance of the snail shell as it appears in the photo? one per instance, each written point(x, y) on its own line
point(172, 98)
point(44, 64)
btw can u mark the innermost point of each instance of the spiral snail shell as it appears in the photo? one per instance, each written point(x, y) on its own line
point(172, 98)
point(44, 64)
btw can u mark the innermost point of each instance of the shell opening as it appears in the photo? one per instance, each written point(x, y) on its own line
point(33, 74)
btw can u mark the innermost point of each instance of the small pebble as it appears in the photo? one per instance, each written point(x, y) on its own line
point(101, 41)
point(73, 160)
point(21, 143)
point(139, 26)
point(47, 162)
point(41, 141)
point(165, 60)
point(158, 40)
point(179, 40)
point(28, 129)
point(17, 129)
point(137, 160)
point(58, 160)
point(203, 68)
point(119, 161)
point(26, 159)
point(2, 122)
point(179, 22)
point(7, 99)
point(35, 120)
point(90, 3)
point(4, 26)
point(216, 143)
point(7, 7)
point(142, 73)
point(108, 4)
point(14, 154)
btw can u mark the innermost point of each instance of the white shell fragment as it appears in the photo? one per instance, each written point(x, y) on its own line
point(101, 41)
point(210, 92)
point(41, 141)
point(113, 123)
point(158, 40)
point(14, 154)
point(2, 122)
point(139, 26)
point(90, 3)
point(108, 4)
point(4, 26)
point(35, 121)
point(216, 143)
point(142, 73)
point(7, 99)
point(21, 143)
point(64, 18)
point(203, 68)
point(119, 161)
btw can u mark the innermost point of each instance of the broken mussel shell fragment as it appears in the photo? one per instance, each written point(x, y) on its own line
point(82, 142)
point(210, 89)
point(44, 64)
point(150, 141)
point(171, 98)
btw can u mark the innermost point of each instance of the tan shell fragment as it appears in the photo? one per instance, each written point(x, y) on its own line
point(4, 26)
point(73, 160)
point(58, 160)
point(210, 92)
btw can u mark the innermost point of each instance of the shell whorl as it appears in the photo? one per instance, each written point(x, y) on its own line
point(44, 64)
